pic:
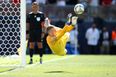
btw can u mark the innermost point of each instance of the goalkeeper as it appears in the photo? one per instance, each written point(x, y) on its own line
point(57, 37)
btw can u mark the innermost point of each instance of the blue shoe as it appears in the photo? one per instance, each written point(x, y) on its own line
point(40, 60)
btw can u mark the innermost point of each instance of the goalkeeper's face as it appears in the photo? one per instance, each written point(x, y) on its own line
point(52, 32)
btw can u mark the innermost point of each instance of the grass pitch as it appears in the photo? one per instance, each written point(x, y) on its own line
point(67, 66)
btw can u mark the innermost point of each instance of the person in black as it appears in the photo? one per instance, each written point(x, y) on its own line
point(105, 41)
point(35, 20)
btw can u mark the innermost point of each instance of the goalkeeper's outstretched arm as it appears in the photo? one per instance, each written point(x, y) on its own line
point(67, 27)
point(51, 30)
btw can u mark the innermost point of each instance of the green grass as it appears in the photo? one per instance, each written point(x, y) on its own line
point(66, 66)
point(9, 64)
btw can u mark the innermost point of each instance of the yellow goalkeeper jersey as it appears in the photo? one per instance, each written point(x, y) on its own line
point(62, 35)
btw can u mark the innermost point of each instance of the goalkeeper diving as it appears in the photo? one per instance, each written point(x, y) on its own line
point(58, 37)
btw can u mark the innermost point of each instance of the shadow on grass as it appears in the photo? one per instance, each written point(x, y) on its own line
point(57, 72)
point(7, 70)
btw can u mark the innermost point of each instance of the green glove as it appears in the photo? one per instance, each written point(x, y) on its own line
point(69, 19)
point(74, 20)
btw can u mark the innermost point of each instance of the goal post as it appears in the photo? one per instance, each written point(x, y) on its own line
point(12, 32)
point(23, 31)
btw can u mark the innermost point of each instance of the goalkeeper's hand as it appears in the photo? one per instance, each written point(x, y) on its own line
point(69, 19)
point(47, 22)
point(74, 20)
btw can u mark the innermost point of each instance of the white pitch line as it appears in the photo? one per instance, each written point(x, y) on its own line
point(53, 60)
point(58, 59)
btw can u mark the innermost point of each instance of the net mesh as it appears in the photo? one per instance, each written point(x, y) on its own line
point(9, 27)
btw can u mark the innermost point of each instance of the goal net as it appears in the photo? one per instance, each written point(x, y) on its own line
point(12, 32)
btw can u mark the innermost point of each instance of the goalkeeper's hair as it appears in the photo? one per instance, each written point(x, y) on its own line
point(48, 29)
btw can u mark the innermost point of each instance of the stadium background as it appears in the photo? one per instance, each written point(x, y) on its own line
point(101, 12)
point(69, 65)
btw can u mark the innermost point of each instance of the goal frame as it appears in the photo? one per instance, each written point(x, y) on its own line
point(22, 58)
point(23, 31)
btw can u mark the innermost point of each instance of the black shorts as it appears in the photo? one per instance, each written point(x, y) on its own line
point(35, 36)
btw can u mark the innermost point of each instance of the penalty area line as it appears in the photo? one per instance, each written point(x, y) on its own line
point(53, 60)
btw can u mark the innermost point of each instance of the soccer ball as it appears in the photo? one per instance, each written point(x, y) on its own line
point(79, 8)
